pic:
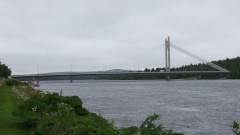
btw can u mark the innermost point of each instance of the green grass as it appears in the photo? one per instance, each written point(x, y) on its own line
point(8, 124)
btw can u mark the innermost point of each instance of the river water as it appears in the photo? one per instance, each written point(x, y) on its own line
point(193, 107)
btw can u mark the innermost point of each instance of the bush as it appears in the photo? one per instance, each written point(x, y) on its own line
point(235, 128)
point(13, 82)
point(61, 122)
point(148, 127)
point(52, 114)
point(33, 109)
point(93, 124)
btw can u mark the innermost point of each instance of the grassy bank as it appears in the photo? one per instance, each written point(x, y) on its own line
point(40, 113)
point(8, 125)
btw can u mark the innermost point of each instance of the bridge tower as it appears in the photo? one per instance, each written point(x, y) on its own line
point(167, 57)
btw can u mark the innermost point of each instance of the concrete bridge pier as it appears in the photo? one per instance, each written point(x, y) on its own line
point(168, 78)
point(199, 76)
point(71, 80)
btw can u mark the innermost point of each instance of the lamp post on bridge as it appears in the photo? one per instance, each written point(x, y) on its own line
point(167, 57)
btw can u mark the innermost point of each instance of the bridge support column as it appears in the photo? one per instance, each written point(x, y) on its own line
point(167, 58)
point(199, 77)
point(71, 80)
point(168, 78)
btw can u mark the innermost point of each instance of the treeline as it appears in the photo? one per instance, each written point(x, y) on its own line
point(5, 71)
point(131, 77)
point(233, 65)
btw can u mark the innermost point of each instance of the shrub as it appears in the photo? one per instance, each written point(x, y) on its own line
point(148, 127)
point(52, 114)
point(93, 124)
point(60, 122)
point(13, 82)
point(76, 103)
point(235, 128)
point(33, 109)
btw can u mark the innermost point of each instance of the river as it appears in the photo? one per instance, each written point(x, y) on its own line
point(193, 107)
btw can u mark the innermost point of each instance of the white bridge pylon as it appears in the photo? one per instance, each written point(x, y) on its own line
point(168, 44)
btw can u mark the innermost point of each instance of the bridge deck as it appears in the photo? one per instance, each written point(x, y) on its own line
point(121, 73)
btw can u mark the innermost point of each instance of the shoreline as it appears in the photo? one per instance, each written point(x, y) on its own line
point(52, 113)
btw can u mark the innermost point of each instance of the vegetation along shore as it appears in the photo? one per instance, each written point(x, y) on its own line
point(28, 111)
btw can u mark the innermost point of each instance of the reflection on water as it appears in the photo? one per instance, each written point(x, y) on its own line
point(192, 107)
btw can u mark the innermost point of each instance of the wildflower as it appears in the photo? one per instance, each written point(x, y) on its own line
point(34, 109)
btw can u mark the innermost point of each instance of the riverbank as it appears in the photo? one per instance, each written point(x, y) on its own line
point(8, 125)
point(54, 114)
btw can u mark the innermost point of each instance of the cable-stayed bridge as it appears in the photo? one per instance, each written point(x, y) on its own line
point(116, 71)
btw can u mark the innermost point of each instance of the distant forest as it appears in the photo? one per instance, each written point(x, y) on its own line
point(233, 65)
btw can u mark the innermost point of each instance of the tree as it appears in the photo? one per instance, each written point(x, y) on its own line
point(146, 70)
point(5, 71)
point(158, 69)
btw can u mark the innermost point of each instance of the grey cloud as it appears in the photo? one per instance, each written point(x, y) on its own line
point(91, 34)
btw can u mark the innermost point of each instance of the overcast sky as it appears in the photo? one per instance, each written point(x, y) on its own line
point(97, 34)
